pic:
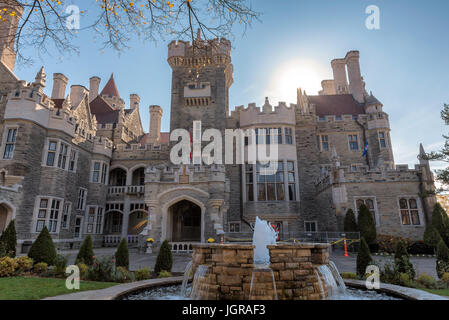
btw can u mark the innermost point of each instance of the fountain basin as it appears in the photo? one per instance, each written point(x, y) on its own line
point(291, 272)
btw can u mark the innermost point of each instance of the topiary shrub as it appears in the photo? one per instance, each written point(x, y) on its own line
point(366, 225)
point(363, 258)
point(350, 223)
point(86, 252)
point(9, 239)
point(40, 267)
point(43, 249)
point(143, 274)
point(24, 264)
point(427, 281)
point(7, 267)
point(164, 274)
point(432, 237)
point(122, 254)
point(442, 263)
point(440, 221)
point(164, 259)
point(402, 262)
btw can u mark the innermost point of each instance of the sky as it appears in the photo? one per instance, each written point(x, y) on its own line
point(405, 63)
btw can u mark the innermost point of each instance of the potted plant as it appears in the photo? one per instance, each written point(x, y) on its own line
point(150, 242)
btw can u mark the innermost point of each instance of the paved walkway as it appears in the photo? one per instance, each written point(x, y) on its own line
point(344, 264)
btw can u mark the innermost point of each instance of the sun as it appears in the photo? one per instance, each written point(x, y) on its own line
point(294, 74)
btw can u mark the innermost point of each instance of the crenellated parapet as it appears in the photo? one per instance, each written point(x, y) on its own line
point(185, 174)
point(265, 115)
point(103, 146)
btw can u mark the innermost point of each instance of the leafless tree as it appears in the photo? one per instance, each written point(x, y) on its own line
point(52, 25)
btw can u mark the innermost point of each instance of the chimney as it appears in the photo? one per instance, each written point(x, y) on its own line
point(328, 87)
point(94, 87)
point(356, 86)
point(77, 93)
point(134, 101)
point(59, 85)
point(155, 123)
point(339, 69)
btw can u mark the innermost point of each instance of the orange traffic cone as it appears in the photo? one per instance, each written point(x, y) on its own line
point(346, 249)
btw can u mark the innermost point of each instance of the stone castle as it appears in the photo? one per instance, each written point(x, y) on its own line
point(80, 163)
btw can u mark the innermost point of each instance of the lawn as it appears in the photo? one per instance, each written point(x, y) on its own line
point(20, 288)
point(441, 292)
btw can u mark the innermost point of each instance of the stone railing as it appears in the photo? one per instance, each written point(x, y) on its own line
point(181, 247)
point(126, 189)
point(114, 240)
point(116, 190)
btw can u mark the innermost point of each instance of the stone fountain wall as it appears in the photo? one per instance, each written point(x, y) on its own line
point(231, 269)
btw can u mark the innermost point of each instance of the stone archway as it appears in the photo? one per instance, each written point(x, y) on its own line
point(185, 218)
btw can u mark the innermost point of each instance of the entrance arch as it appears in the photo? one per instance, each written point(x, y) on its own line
point(6, 215)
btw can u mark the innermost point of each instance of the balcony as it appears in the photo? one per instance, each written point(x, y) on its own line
point(129, 190)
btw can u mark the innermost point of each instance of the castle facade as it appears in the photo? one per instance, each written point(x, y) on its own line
point(80, 163)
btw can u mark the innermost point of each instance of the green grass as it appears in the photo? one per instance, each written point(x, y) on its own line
point(440, 292)
point(20, 288)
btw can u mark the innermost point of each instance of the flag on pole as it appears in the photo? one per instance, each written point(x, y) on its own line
point(365, 151)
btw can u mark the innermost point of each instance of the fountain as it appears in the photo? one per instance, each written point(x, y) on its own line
point(264, 235)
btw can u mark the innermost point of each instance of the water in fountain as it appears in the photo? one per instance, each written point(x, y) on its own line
point(263, 285)
point(320, 283)
point(337, 276)
point(334, 286)
point(264, 235)
point(200, 286)
point(185, 281)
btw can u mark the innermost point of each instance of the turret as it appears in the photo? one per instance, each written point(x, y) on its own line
point(356, 85)
point(59, 86)
point(340, 80)
point(94, 87)
point(155, 123)
point(134, 101)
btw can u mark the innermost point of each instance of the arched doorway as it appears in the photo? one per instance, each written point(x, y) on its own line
point(117, 177)
point(138, 178)
point(6, 213)
point(113, 223)
point(185, 219)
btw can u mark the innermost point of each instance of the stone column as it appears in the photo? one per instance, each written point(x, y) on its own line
point(125, 222)
point(215, 214)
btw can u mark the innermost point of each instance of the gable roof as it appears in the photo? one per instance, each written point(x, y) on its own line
point(336, 105)
point(110, 88)
point(103, 111)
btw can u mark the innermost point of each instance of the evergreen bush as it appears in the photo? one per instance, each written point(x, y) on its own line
point(350, 223)
point(86, 252)
point(9, 239)
point(442, 263)
point(43, 249)
point(363, 258)
point(440, 221)
point(122, 255)
point(402, 262)
point(164, 261)
point(366, 225)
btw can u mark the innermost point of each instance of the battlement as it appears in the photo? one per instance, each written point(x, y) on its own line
point(194, 173)
point(253, 115)
point(103, 146)
point(202, 53)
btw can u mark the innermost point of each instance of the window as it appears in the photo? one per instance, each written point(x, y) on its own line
point(99, 221)
point(10, 144)
point(353, 142)
point(96, 172)
point(310, 226)
point(48, 214)
point(370, 204)
point(82, 194)
point(95, 220)
point(382, 141)
point(99, 172)
point(409, 212)
point(322, 142)
point(288, 136)
point(90, 220)
point(270, 187)
point(51, 154)
point(104, 173)
point(72, 160)
point(234, 227)
point(291, 180)
point(249, 182)
point(62, 157)
point(66, 215)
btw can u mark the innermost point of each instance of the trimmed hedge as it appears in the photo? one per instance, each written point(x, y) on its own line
point(43, 249)
point(164, 261)
point(367, 225)
point(9, 240)
point(86, 252)
point(350, 223)
point(122, 254)
point(363, 258)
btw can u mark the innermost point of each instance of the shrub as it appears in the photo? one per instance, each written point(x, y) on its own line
point(9, 238)
point(445, 277)
point(43, 249)
point(350, 224)
point(164, 259)
point(402, 262)
point(164, 274)
point(86, 253)
point(7, 267)
point(83, 269)
point(24, 264)
point(122, 254)
point(143, 274)
point(388, 275)
point(440, 221)
point(40, 267)
point(431, 236)
point(366, 225)
point(405, 280)
point(363, 258)
point(442, 263)
point(123, 275)
point(102, 270)
point(2, 249)
point(427, 281)
point(348, 275)
point(60, 264)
